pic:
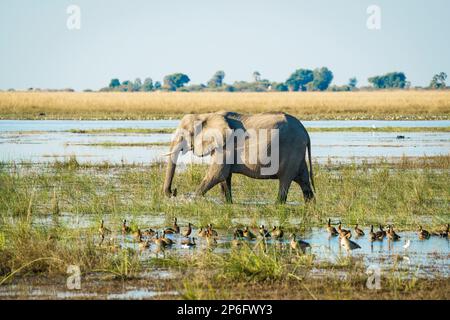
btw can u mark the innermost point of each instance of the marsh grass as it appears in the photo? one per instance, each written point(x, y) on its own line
point(399, 192)
point(405, 104)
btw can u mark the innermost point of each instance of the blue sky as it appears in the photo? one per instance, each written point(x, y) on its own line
point(138, 38)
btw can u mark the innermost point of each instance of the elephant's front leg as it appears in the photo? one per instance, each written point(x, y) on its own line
point(283, 190)
point(216, 174)
point(225, 186)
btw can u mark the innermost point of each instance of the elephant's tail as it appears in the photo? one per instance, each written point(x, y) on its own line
point(311, 176)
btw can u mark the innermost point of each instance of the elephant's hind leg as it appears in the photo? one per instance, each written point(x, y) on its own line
point(303, 180)
point(225, 186)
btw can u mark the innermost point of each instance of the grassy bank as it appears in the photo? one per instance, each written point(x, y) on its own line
point(388, 105)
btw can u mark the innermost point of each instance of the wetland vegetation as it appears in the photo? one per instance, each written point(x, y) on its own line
point(50, 215)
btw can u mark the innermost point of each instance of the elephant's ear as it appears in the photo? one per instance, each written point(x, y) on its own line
point(211, 132)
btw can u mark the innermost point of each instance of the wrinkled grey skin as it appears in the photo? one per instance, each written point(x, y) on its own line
point(294, 141)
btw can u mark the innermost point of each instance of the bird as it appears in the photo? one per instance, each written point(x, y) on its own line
point(381, 234)
point(168, 241)
point(160, 243)
point(239, 233)
point(298, 245)
point(343, 232)
point(391, 234)
point(202, 233)
point(248, 234)
point(174, 229)
point(407, 244)
point(277, 233)
point(444, 232)
point(348, 244)
point(211, 240)
point(102, 229)
point(186, 233)
point(137, 234)
point(211, 231)
point(236, 242)
point(423, 234)
point(144, 244)
point(372, 235)
point(125, 229)
point(331, 230)
point(359, 232)
point(263, 232)
point(148, 232)
point(188, 242)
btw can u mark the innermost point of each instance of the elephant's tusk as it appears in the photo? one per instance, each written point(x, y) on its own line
point(169, 153)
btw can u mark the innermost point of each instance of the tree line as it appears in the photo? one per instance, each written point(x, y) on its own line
point(318, 79)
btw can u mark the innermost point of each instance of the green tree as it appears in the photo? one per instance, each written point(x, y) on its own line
point(256, 76)
point(389, 80)
point(322, 78)
point(438, 81)
point(299, 79)
point(114, 83)
point(157, 85)
point(352, 82)
point(175, 81)
point(279, 86)
point(148, 85)
point(217, 79)
point(137, 84)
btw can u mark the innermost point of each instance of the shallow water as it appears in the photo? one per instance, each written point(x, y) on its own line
point(53, 142)
point(424, 258)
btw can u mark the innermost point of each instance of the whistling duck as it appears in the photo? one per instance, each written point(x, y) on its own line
point(391, 234)
point(160, 243)
point(168, 241)
point(174, 229)
point(149, 232)
point(277, 233)
point(423, 234)
point(236, 242)
point(381, 234)
point(331, 230)
point(211, 231)
point(186, 233)
point(102, 229)
point(443, 232)
point(343, 233)
point(359, 232)
point(239, 233)
point(137, 234)
point(263, 232)
point(125, 229)
point(189, 242)
point(349, 244)
point(202, 233)
point(211, 240)
point(248, 234)
point(372, 235)
point(298, 245)
point(144, 244)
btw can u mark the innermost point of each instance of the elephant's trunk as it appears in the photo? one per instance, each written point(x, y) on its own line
point(171, 165)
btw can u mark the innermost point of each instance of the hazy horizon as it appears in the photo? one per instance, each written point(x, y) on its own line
point(139, 38)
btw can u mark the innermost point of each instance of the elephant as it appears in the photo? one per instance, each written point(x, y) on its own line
point(293, 142)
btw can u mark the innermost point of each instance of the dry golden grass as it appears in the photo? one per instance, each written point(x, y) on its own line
point(307, 105)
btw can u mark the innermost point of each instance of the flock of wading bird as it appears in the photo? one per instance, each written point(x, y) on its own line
point(145, 238)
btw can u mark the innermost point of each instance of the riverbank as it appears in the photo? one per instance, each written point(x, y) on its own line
point(381, 105)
